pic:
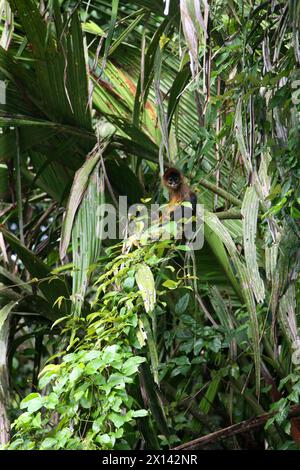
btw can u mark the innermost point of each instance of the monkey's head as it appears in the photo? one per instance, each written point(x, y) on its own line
point(172, 178)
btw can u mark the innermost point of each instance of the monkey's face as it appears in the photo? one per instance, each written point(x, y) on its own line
point(172, 179)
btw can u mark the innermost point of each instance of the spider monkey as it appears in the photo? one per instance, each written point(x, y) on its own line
point(179, 191)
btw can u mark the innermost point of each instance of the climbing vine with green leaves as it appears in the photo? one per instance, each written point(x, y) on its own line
point(89, 399)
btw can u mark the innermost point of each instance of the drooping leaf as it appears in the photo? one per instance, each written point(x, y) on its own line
point(146, 285)
point(78, 189)
point(250, 215)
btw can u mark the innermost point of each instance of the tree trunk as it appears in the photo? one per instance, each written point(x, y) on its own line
point(4, 384)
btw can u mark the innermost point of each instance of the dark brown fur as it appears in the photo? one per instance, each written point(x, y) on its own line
point(179, 191)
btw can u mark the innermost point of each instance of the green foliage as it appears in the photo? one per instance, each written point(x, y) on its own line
point(88, 406)
point(85, 402)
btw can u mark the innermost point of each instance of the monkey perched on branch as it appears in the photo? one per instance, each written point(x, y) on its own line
point(182, 204)
point(179, 191)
